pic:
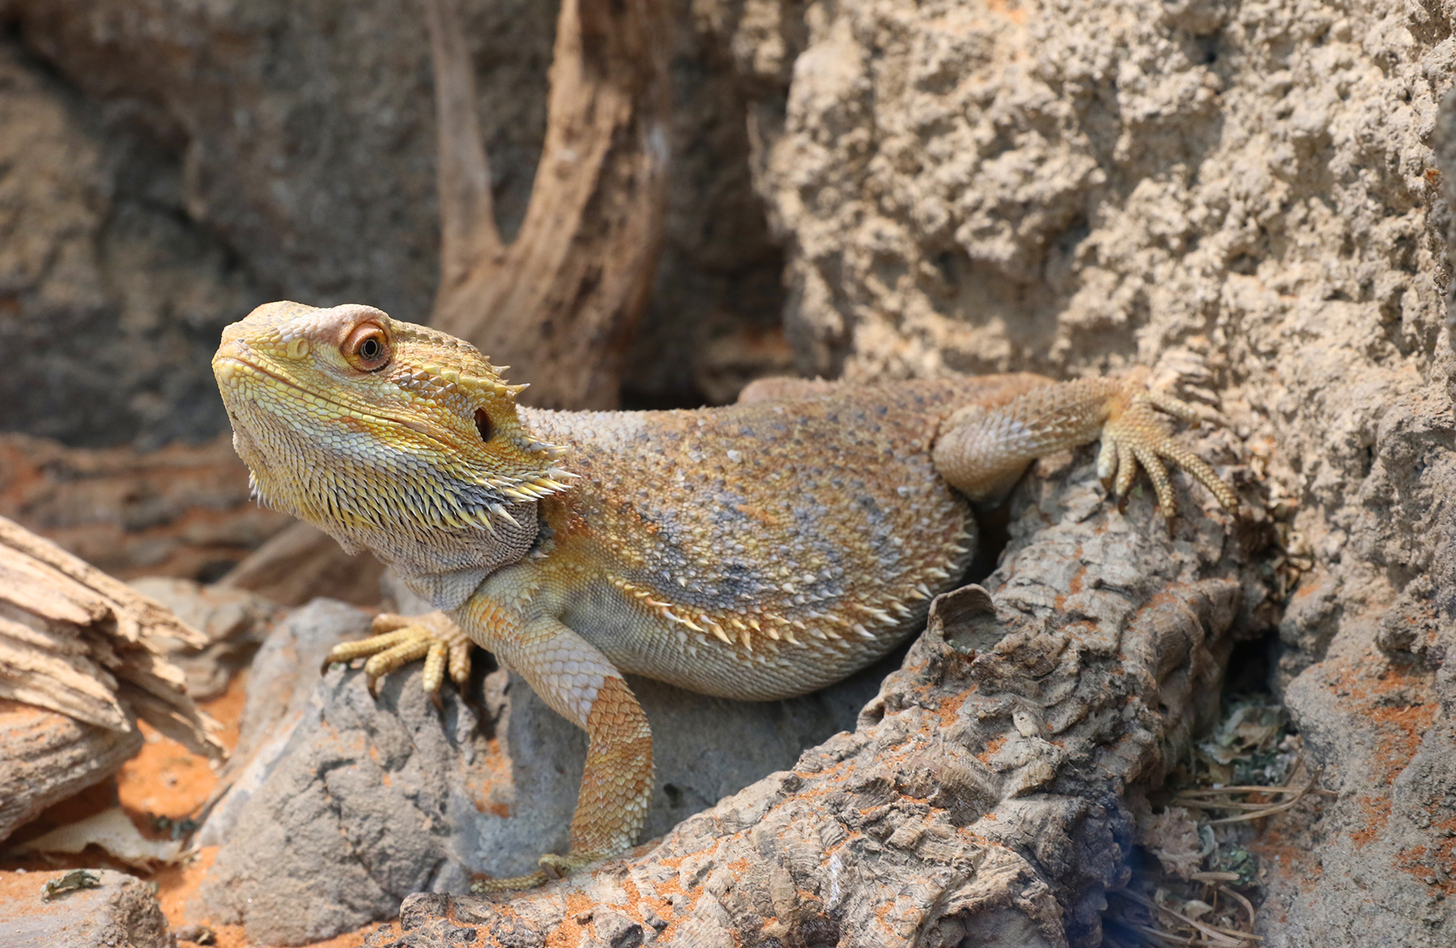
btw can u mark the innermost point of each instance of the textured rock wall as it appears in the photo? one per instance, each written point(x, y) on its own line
point(306, 130)
point(111, 300)
point(1243, 189)
point(1079, 186)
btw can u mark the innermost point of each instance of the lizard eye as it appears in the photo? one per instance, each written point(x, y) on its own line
point(367, 347)
point(483, 425)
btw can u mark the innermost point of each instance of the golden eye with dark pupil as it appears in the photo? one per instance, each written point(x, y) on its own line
point(367, 348)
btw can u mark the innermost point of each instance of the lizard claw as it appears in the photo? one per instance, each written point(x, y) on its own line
point(1134, 437)
point(399, 640)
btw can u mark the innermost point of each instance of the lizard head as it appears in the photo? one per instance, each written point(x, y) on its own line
point(388, 435)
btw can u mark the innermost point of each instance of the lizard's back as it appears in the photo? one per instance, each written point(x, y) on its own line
point(758, 550)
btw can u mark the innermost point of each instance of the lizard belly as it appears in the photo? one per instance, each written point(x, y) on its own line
point(755, 552)
point(639, 641)
point(793, 624)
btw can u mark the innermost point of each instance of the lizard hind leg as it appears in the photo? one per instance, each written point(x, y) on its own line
point(399, 640)
point(581, 684)
point(983, 449)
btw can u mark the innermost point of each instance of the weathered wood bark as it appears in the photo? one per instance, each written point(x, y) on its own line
point(559, 301)
point(300, 563)
point(981, 796)
point(183, 510)
point(46, 756)
point(78, 642)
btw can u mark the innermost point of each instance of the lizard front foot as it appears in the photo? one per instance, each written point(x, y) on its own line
point(399, 640)
point(1134, 436)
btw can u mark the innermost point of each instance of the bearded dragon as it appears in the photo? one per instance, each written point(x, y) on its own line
point(756, 551)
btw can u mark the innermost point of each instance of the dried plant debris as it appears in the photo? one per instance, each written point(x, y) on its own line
point(73, 881)
point(1247, 748)
point(1194, 882)
point(113, 832)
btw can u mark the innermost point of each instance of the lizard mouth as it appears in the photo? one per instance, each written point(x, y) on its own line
point(228, 366)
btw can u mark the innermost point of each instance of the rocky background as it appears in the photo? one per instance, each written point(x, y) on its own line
point(1246, 193)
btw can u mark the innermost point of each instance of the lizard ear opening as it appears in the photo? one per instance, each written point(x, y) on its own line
point(483, 424)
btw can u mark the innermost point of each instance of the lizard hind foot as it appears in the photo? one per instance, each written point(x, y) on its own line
point(553, 867)
point(1134, 436)
point(508, 884)
point(399, 640)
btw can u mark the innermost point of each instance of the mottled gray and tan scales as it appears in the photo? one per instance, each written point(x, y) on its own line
point(756, 589)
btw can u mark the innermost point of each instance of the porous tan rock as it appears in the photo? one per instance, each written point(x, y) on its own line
point(1079, 186)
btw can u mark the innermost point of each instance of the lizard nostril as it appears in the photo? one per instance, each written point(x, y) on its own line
point(483, 425)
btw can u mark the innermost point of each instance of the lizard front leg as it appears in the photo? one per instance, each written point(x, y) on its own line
point(581, 684)
point(572, 677)
point(983, 450)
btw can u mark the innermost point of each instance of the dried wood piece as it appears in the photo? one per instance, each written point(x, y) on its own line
point(301, 563)
point(46, 756)
point(559, 301)
point(182, 510)
point(77, 641)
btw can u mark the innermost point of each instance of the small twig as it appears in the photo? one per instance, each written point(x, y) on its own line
point(1201, 799)
point(1162, 936)
point(1257, 814)
point(1227, 938)
point(1223, 791)
point(1248, 906)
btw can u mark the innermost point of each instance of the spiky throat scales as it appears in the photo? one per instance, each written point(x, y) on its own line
point(387, 435)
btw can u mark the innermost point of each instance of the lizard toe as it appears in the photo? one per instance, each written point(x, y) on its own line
point(400, 640)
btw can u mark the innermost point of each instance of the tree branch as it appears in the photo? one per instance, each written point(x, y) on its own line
point(467, 217)
point(561, 300)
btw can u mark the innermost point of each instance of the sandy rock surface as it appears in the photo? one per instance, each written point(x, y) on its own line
point(341, 805)
point(1079, 186)
point(92, 909)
